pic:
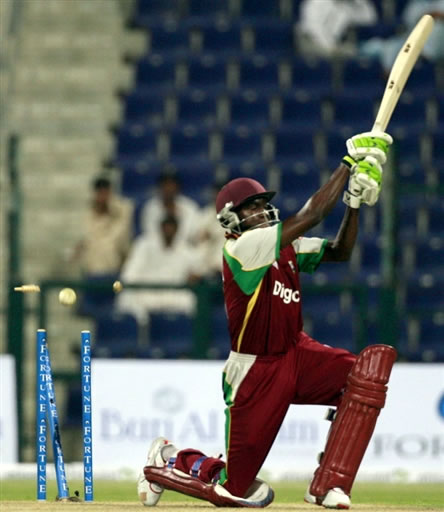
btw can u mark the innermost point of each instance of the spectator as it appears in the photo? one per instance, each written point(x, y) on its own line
point(107, 232)
point(386, 50)
point(324, 23)
point(165, 260)
point(170, 202)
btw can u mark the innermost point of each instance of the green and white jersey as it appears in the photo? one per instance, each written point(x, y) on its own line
point(262, 289)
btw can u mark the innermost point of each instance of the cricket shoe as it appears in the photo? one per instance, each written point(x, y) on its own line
point(160, 451)
point(335, 498)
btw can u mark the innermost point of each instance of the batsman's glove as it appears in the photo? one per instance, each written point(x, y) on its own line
point(364, 183)
point(374, 144)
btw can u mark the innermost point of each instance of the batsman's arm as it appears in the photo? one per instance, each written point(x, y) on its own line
point(341, 247)
point(317, 207)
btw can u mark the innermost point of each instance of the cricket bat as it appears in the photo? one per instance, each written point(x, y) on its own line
point(401, 69)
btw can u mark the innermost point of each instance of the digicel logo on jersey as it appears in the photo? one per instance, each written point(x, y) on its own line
point(286, 294)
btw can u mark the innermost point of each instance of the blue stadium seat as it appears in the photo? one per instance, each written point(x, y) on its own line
point(253, 10)
point(380, 29)
point(190, 142)
point(117, 335)
point(408, 211)
point(408, 146)
point(437, 140)
point(155, 73)
point(435, 216)
point(301, 181)
point(136, 139)
point(411, 111)
point(431, 336)
point(222, 39)
point(206, 11)
point(424, 296)
point(137, 180)
point(273, 41)
point(97, 299)
point(151, 12)
point(259, 73)
point(352, 114)
point(142, 106)
point(220, 345)
point(300, 112)
point(242, 145)
point(207, 72)
point(423, 80)
point(312, 77)
point(248, 108)
point(412, 173)
point(362, 77)
point(169, 40)
point(334, 330)
point(246, 169)
point(292, 146)
point(335, 148)
point(370, 262)
point(196, 107)
point(171, 335)
point(428, 260)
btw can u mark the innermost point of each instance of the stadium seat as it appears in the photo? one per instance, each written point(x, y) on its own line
point(155, 73)
point(248, 108)
point(190, 142)
point(352, 114)
point(169, 40)
point(223, 39)
point(273, 41)
point(423, 296)
point(196, 107)
point(135, 141)
point(153, 12)
point(428, 260)
point(137, 180)
point(437, 156)
point(292, 146)
point(259, 74)
point(311, 77)
point(171, 335)
point(410, 111)
point(334, 330)
point(253, 10)
point(431, 336)
point(97, 298)
point(301, 181)
point(142, 106)
point(242, 145)
point(220, 345)
point(207, 72)
point(206, 11)
point(408, 147)
point(422, 81)
point(117, 335)
point(297, 112)
point(362, 77)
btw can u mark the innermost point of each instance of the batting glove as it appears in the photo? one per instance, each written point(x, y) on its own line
point(365, 181)
point(374, 144)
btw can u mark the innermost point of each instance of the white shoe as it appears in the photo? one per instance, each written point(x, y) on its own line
point(335, 498)
point(150, 492)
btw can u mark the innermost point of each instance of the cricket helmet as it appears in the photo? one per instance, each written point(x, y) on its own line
point(234, 195)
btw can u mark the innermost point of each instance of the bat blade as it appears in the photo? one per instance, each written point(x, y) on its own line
point(401, 69)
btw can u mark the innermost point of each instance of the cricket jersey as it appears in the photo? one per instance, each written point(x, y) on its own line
point(262, 290)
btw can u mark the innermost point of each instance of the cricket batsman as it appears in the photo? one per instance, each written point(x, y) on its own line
point(273, 363)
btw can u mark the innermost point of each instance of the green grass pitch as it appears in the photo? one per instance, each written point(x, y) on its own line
point(418, 496)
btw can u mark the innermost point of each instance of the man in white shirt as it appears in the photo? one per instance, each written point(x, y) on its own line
point(170, 202)
point(163, 259)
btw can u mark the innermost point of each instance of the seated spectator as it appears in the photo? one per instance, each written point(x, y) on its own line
point(169, 202)
point(163, 259)
point(324, 23)
point(107, 232)
point(386, 50)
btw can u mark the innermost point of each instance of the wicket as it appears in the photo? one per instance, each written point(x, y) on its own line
point(46, 409)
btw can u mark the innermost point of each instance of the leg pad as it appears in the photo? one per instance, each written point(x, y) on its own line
point(355, 420)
